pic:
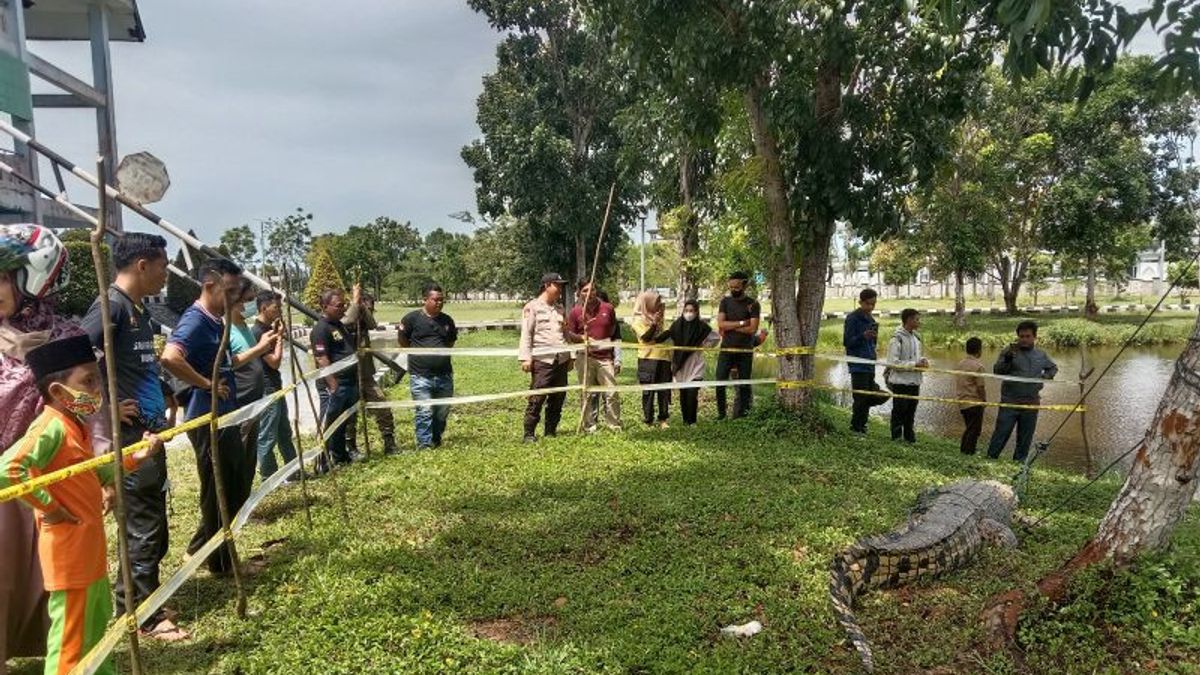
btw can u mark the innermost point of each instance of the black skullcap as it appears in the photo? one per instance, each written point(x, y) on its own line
point(60, 354)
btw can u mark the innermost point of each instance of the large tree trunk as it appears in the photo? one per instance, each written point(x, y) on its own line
point(960, 300)
point(1162, 481)
point(1155, 497)
point(1090, 309)
point(782, 275)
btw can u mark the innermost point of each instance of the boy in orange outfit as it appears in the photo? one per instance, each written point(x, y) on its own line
point(71, 544)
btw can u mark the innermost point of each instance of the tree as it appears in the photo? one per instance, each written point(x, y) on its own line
point(447, 254)
point(1038, 274)
point(324, 274)
point(288, 243)
point(958, 216)
point(373, 250)
point(897, 260)
point(551, 149)
point(1186, 278)
point(1105, 194)
point(238, 243)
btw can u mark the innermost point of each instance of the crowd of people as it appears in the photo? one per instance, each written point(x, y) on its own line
point(55, 598)
point(904, 373)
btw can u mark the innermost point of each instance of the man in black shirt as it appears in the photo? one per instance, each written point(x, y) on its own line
point(274, 427)
point(430, 376)
point(737, 321)
point(141, 264)
point(331, 342)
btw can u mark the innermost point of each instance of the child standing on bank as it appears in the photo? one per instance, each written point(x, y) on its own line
point(71, 541)
point(971, 388)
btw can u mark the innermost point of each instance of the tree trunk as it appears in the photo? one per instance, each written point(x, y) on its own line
point(782, 274)
point(689, 233)
point(1152, 502)
point(1162, 481)
point(960, 301)
point(1090, 310)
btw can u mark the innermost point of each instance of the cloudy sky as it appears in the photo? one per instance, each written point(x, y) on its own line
point(260, 107)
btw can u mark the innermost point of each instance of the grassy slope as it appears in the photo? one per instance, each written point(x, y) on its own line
point(615, 552)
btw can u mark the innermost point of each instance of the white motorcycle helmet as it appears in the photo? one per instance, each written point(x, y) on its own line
point(36, 257)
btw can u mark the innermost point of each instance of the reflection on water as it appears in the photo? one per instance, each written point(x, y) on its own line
point(1119, 409)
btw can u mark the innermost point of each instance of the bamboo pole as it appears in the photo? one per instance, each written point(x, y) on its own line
point(214, 450)
point(612, 191)
point(1085, 372)
point(295, 417)
point(337, 488)
point(114, 418)
point(363, 339)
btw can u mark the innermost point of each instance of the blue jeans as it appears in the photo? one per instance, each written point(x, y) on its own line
point(431, 420)
point(274, 427)
point(1026, 423)
point(332, 407)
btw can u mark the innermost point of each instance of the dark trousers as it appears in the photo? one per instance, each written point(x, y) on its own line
point(372, 393)
point(861, 408)
point(544, 376)
point(249, 431)
point(332, 407)
point(655, 371)
point(973, 419)
point(904, 412)
point(145, 526)
point(727, 362)
point(232, 458)
point(1025, 422)
point(689, 404)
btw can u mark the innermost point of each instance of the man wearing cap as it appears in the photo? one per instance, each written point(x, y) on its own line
point(542, 329)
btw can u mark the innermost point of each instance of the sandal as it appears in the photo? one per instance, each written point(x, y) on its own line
point(166, 631)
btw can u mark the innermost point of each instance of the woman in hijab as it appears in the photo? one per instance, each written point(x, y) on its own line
point(32, 261)
point(687, 365)
point(654, 362)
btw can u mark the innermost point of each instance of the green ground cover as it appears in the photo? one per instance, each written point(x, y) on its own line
point(626, 553)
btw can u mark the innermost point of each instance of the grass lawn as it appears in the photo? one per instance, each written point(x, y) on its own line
point(626, 553)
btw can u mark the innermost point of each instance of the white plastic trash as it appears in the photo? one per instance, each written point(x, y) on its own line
point(744, 630)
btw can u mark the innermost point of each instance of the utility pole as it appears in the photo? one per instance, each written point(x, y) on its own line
point(642, 250)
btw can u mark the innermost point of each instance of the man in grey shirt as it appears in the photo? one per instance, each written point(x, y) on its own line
point(1023, 359)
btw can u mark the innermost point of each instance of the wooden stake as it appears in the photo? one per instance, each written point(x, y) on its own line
point(114, 417)
point(295, 420)
point(214, 451)
point(612, 191)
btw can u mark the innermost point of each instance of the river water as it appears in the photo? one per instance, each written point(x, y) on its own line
point(1119, 409)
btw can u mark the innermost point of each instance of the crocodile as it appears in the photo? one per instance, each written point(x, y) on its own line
point(945, 530)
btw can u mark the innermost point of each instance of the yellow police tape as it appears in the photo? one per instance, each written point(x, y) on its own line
point(21, 489)
point(809, 384)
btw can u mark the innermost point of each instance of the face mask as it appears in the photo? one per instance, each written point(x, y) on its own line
point(249, 309)
point(689, 316)
point(81, 403)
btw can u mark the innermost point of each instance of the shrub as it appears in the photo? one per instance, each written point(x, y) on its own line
point(81, 289)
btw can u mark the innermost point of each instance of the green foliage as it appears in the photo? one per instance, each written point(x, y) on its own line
point(551, 149)
point(371, 251)
point(323, 276)
point(238, 244)
point(1124, 619)
point(898, 260)
point(1041, 267)
point(288, 242)
point(81, 289)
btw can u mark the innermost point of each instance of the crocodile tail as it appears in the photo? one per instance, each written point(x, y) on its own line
point(846, 582)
